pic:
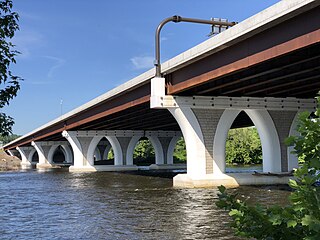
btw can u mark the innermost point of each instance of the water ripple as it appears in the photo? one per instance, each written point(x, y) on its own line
point(61, 205)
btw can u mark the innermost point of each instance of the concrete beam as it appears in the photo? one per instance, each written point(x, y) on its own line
point(221, 102)
point(124, 133)
point(51, 143)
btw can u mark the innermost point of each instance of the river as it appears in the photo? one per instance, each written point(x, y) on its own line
point(101, 205)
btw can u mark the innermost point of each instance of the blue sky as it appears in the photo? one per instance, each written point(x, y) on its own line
point(76, 50)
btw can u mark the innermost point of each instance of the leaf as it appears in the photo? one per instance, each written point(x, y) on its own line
point(291, 223)
point(315, 163)
point(235, 212)
point(275, 219)
point(293, 183)
point(222, 188)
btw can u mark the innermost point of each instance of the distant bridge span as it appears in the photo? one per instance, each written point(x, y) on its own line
point(262, 71)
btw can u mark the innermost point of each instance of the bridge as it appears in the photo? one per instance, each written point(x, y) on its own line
point(262, 72)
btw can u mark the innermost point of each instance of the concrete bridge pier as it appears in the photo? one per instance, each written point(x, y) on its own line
point(26, 154)
point(87, 148)
point(42, 149)
point(164, 144)
point(205, 122)
point(46, 151)
point(80, 162)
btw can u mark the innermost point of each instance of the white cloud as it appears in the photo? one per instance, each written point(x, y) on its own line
point(59, 62)
point(25, 41)
point(142, 62)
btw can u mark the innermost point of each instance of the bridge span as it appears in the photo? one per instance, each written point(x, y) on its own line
point(262, 71)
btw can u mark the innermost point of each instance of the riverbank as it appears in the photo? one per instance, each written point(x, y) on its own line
point(8, 163)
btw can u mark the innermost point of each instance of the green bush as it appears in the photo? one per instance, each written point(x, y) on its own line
point(243, 146)
point(143, 150)
point(301, 218)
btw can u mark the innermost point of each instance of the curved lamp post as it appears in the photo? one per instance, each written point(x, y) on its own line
point(177, 19)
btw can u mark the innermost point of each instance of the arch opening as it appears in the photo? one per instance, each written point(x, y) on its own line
point(59, 155)
point(103, 154)
point(35, 157)
point(271, 153)
point(243, 151)
point(180, 152)
point(144, 152)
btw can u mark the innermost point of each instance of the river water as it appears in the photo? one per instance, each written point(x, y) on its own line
point(101, 205)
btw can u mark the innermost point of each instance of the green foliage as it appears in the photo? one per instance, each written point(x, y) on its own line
point(7, 139)
point(180, 153)
point(11, 85)
point(243, 146)
point(143, 153)
point(300, 219)
point(111, 154)
point(143, 150)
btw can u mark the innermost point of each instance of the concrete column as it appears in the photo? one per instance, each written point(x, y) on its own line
point(170, 149)
point(165, 142)
point(10, 152)
point(80, 146)
point(24, 153)
point(198, 127)
point(130, 148)
point(42, 150)
point(68, 153)
point(167, 148)
point(126, 143)
point(106, 152)
point(285, 123)
point(104, 148)
point(293, 162)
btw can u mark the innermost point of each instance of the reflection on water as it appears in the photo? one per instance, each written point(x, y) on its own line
point(62, 205)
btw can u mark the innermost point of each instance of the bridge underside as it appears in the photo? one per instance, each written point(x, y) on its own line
point(296, 74)
point(293, 75)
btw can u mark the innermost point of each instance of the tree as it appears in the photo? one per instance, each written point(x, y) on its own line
point(301, 218)
point(180, 153)
point(7, 139)
point(11, 83)
point(243, 146)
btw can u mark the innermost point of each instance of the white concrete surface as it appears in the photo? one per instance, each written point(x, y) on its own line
point(229, 180)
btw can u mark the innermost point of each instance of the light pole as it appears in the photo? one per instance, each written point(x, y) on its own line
point(177, 19)
point(61, 102)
